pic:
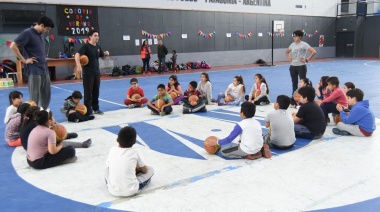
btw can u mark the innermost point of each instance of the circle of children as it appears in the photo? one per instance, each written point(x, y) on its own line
point(127, 172)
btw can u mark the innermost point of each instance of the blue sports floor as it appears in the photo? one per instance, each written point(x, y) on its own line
point(334, 173)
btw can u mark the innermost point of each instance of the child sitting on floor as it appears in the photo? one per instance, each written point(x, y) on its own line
point(281, 126)
point(174, 89)
point(15, 100)
point(12, 130)
point(348, 86)
point(337, 96)
point(193, 106)
point(126, 171)
point(250, 144)
point(360, 120)
point(309, 121)
point(131, 101)
point(167, 107)
point(259, 92)
point(68, 108)
point(234, 93)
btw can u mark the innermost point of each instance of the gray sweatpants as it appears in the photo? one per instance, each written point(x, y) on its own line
point(351, 128)
point(233, 151)
point(39, 89)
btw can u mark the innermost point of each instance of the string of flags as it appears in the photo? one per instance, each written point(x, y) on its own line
point(243, 36)
point(150, 35)
point(209, 35)
point(309, 35)
point(75, 40)
point(276, 34)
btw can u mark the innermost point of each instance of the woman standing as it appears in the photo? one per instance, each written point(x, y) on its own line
point(145, 56)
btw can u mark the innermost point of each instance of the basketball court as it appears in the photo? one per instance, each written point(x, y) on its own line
point(335, 173)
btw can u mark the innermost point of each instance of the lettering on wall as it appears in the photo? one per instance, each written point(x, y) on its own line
point(76, 20)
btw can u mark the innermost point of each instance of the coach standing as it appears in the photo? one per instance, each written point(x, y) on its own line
point(296, 53)
point(91, 72)
point(32, 44)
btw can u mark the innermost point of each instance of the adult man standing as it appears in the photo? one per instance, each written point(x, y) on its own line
point(91, 72)
point(29, 47)
point(296, 53)
point(162, 51)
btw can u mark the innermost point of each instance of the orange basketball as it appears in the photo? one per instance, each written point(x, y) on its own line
point(60, 132)
point(80, 108)
point(174, 95)
point(229, 98)
point(296, 97)
point(83, 60)
point(337, 118)
point(256, 94)
point(210, 148)
point(31, 102)
point(136, 96)
point(159, 103)
point(193, 98)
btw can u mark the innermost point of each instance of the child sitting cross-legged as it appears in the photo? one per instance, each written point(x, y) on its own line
point(168, 102)
point(191, 106)
point(126, 171)
point(360, 120)
point(135, 90)
point(69, 106)
point(281, 126)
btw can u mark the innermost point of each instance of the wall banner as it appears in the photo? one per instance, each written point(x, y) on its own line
point(75, 20)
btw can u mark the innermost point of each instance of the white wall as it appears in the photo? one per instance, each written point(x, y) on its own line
point(325, 8)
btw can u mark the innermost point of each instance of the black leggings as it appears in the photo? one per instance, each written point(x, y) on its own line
point(167, 110)
point(146, 64)
point(78, 116)
point(49, 160)
point(296, 71)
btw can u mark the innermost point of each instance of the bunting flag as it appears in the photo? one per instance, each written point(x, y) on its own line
point(150, 35)
point(243, 36)
point(75, 40)
point(7, 42)
point(209, 35)
point(276, 34)
point(309, 35)
point(47, 38)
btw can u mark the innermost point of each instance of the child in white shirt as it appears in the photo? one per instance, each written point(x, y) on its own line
point(15, 100)
point(126, 171)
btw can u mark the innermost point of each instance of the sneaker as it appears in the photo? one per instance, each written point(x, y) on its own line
point(214, 100)
point(221, 104)
point(204, 109)
point(86, 143)
point(254, 156)
point(99, 112)
point(71, 135)
point(76, 120)
point(266, 151)
point(148, 73)
point(70, 160)
point(264, 103)
point(186, 111)
point(153, 113)
point(143, 73)
point(162, 113)
point(142, 105)
point(91, 117)
point(337, 131)
point(131, 106)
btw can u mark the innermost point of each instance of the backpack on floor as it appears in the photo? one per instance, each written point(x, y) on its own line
point(116, 71)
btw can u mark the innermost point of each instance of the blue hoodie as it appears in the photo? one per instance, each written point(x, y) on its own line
point(361, 115)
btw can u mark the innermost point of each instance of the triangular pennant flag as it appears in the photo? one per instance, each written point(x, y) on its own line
point(51, 36)
point(2, 41)
point(65, 38)
point(47, 39)
point(8, 43)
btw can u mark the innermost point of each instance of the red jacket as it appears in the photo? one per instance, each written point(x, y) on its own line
point(144, 52)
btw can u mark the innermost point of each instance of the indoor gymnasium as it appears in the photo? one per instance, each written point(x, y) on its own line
point(163, 105)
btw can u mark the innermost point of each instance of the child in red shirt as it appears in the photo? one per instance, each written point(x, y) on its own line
point(337, 96)
point(133, 100)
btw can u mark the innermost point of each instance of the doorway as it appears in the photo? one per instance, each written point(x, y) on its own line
point(345, 44)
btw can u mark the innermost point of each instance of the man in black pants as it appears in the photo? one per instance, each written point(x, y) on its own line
point(162, 51)
point(296, 53)
point(91, 72)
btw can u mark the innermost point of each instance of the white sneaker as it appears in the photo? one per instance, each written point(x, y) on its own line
point(131, 106)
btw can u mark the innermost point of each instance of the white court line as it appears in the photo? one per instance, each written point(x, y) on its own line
point(99, 98)
point(367, 64)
